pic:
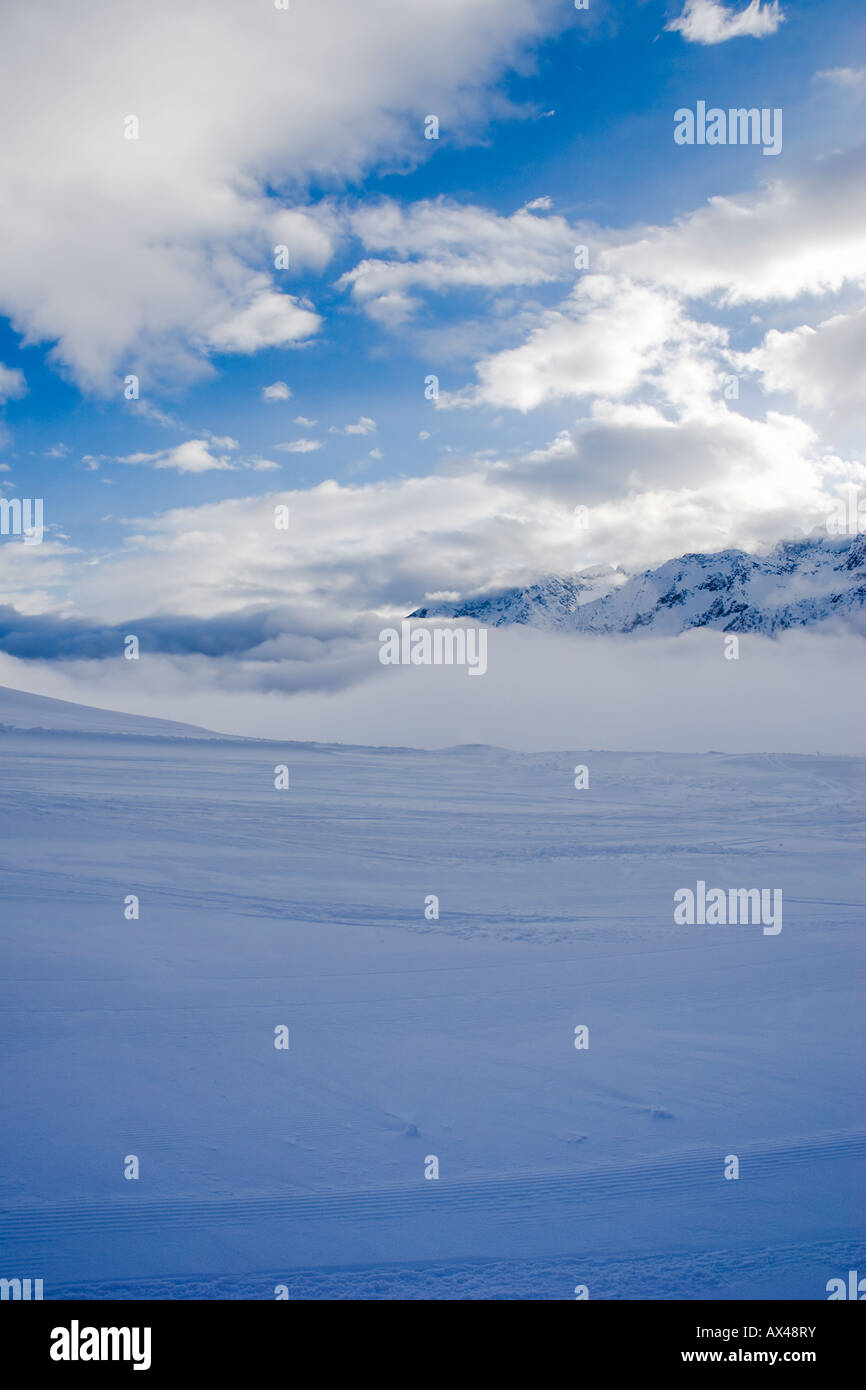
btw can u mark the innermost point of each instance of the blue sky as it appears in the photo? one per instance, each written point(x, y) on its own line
point(558, 386)
point(613, 78)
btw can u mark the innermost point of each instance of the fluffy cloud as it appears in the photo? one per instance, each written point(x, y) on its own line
point(631, 328)
point(193, 456)
point(271, 320)
point(704, 482)
point(12, 383)
point(823, 367)
point(35, 578)
point(440, 245)
point(167, 241)
point(627, 325)
point(710, 22)
point(277, 391)
point(610, 337)
point(364, 425)
point(795, 237)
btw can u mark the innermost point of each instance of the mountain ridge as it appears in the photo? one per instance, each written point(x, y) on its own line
point(796, 584)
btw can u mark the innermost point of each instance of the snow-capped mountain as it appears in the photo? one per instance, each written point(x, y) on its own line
point(797, 583)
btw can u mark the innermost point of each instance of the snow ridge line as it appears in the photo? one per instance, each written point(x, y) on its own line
point(688, 1170)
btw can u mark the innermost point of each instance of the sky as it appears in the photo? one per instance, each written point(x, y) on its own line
point(233, 267)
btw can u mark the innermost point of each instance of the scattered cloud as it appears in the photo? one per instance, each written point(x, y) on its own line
point(652, 321)
point(12, 383)
point(610, 337)
point(300, 446)
point(277, 391)
point(193, 456)
point(843, 77)
point(711, 22)
point(363, 426)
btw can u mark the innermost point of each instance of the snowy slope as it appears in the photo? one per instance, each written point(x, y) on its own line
point(413, 1037)
point(551, 603)
point(797, 584)
point(21, 710)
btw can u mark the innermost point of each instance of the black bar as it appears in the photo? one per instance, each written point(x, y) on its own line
point(237, 1337)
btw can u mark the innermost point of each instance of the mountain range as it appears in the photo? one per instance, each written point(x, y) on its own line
point(797, 584)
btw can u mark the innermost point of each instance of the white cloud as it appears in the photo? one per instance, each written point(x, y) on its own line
point(540, 204)
point(309, 234)
point(167, 239)
point(843, 77)
point(716, 476)
point(362, 426)
point(193, 456)
point(794, 237)
point(300, 446)
point(12, 383)
point(271, 320)
point(607, 339)
point(710, 21)
point(302, 420)
point(629, 328)
point(823, 366)
point(440, 245)
point(277, 391)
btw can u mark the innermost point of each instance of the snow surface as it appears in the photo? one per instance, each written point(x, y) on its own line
point(412, 1037)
